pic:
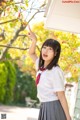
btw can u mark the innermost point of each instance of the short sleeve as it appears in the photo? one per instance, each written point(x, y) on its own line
point(58, 79)
point(37, 63)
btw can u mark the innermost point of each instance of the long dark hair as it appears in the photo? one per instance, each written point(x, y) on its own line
point(55, 45)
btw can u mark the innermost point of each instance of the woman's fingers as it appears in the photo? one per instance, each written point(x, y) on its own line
point(28, 33)
point(29, 28)
point(31, 34)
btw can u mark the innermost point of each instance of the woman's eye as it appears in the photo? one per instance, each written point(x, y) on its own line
point(50, 49)
point(44, 47)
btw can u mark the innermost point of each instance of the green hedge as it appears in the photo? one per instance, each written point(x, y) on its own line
point(25, 87)
point(7, 81)
point(15, 85)
point(3, 80)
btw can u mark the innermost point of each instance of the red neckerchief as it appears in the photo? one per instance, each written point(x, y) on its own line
point(38, 76)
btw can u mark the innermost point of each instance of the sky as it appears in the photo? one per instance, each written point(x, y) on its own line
point(36, 4)
point(28, 12)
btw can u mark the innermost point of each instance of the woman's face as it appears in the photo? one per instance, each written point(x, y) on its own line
point(47, 53)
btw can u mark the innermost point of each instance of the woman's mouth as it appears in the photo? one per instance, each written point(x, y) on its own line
point(44, 55)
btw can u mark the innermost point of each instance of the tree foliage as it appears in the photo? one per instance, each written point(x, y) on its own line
point(13, 41)
point(13, 23)
point(25, 87)
point(7, 81)
point(3, 79)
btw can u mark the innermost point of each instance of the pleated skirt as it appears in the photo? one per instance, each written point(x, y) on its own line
point(51, 111)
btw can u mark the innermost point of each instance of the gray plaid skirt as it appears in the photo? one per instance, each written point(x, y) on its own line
point(51, 111)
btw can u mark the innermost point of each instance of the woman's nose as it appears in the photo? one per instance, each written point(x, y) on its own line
point(46, 50)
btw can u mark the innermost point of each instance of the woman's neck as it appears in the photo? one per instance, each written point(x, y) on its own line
point(46, 63)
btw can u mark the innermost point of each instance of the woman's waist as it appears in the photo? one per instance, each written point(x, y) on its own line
point(47, 98)
point(53, 101)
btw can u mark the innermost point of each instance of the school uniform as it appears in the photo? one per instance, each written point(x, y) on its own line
point(49, 83)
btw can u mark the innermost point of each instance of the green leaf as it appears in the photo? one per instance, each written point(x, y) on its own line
point(12, 24)
point(26, 2)
point(16, 8)
point(7, 55)
point(22, 7)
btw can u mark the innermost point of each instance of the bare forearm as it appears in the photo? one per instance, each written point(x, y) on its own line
point(64, 104)
point(32, 48)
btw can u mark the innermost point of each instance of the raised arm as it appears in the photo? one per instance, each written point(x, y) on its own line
point(32, 48)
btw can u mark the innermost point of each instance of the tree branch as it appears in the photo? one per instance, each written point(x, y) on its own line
point(36, 12)
point(7, 6)
point(11, 59)
point(11, 42)
point(14, 47)
point(22, 35)
point(2, 36)
point(14, 3)
point(22, 27)
point(8, 21)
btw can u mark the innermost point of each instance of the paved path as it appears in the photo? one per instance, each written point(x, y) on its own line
point(18, 113)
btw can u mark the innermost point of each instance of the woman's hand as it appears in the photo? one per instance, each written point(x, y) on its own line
point(31, 34)
point(69, 118)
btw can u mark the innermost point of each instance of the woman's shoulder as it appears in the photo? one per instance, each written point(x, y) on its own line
point(57, 72)
point(57, 69)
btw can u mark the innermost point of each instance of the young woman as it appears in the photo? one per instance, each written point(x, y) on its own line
point(49, 80)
